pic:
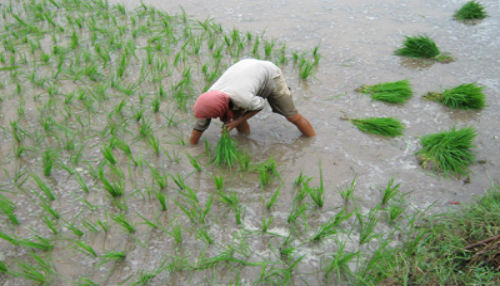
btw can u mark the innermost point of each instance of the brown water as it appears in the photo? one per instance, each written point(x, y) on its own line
point(357, 40)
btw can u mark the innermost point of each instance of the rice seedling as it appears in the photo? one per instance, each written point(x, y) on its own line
point(113, 255)
point(390, 92)
point(48, 162)
point(147, 221)
point(3, 267)
point(176, 233)
point(219, 183)
point(273, 199)
point(42, 243)
point(75, 230)
point(37, 274)
point(51, 224)
point(389, 192)
point(383, 126)
point(85, 248)
point(422, 47)
point(45, 206)
point(226, 152)
point(8, 238)
point(348, 193)
point(113, 188)
point(464, 96)
point(267, 169)
point(43, 187)
point(471, 10)
point(266, 223)
point(316, 193)
point(161, 198)
point(340, 262)
point(448, 152)
point(330, 227)
point(305, 68)
point(396, 208)
point(7, 207)
point(123, 222)
point(108, 154)
point(367, 225)
point(296, 212)
point(194, 162)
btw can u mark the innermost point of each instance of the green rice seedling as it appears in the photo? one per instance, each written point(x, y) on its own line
point(305, 69)
point(268, 48)
point(296, 212)
point(75, 230)
point(390, 192)
point(383, 126)
point(113, 255)
point(8, 238)
point(274, 197)
point(330, 227)
point(194, 162)
point(103, 224)
point(176, 233)
point(219, 183)
point(267, 169)
point(422, 47)
point(226, 152)
point(471, 10)
point(348, 193)
point(107, 152)
point(54, 213)
point(154, 142)
point(448, 152)
point(340, 262)
point(316, 194)
point(114, 189)
point(244, 161)
point(156, 104)
point(3, 267)
point(82, 183)
point(7, 207)
point(147, 221)
point(92, 227)
point(48, 159)
point(396, 208)
point(123, 222)
point(266, 223)
point(162, 200)
point(42, 243)
point(85, 248)
point(203, 234)
point(43, 187)
point(33, 273)
point(464, 96)
point(390, 92)
point(367, 226)
point(51, 224)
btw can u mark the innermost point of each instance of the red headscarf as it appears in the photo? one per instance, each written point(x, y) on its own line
point(213, 104)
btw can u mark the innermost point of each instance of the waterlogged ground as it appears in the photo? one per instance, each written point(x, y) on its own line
point(70, 105)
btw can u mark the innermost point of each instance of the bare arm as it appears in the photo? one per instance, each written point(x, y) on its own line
point(237, 122)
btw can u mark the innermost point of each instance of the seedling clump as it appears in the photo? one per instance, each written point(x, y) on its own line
point(390, 92)
point(448, 152)
point(464, 96)
point(422, 47)
point(384, 126)
point(226, 152)
point(471, 10)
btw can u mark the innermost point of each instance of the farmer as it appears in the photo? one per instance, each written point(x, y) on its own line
point(240, 93)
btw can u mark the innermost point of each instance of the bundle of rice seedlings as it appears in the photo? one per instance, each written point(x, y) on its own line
point(448, 152)
point(226, 152)
point(384, 126)
point(391, 92)
point(464, 96)
point(422, 47)
point(471, 10)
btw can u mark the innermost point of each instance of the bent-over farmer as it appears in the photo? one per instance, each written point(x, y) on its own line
point(240, 93)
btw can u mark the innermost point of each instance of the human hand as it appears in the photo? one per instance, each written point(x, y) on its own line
point(231, 125)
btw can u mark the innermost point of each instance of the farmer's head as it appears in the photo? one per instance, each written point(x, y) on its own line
point(213, 104)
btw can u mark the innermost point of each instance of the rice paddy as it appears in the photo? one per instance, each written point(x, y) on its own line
point(98, 187)
point(464, 96)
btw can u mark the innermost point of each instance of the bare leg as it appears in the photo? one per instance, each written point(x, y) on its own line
point(302, 124)
point(243, 127)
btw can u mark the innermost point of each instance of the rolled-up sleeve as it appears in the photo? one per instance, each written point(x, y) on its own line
point(202, 124)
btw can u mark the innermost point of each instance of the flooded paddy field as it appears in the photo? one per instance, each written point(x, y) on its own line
point(99, 185)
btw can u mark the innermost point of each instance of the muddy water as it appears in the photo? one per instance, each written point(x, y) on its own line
point(357, 39)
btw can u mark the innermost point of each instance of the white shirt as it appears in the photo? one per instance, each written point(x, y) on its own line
point(248, 82)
